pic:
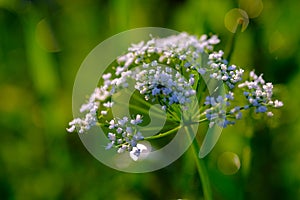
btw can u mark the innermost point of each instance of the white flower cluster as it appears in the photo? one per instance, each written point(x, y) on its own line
point(217, 111)
point(90, 108)
point(154, 82)
point(177, 50)
point(259, 94)
point(219, 69)
point(125, 134)
point(169, 70)
point(163, 84)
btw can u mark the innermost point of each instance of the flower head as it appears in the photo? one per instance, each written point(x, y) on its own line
point(259, 94)
point(170, 71)
point(124, 133)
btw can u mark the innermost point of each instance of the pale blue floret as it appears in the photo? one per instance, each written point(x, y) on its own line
point(166, 91)
point(112, 136)
point(220, 99)
point(129, 130)
point(238, 115)
point(109, 145)
point(155, 91)
point(187, 64)
point(231, 68)
point(201, 71)
point(246, 93)
point(119, 130)
point(261, 109)
point(246, 107)
point(229, 96)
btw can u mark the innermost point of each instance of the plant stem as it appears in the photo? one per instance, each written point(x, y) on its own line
point(233, 41)
point(142, 100)
point(201, 168)
point(163, 134)
point(142, 110)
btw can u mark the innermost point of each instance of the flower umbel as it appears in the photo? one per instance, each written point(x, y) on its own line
point(170, 72)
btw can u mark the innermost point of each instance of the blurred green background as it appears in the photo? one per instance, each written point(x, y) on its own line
point(42, 44)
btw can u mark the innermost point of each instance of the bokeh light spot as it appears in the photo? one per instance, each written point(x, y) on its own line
point(277, 41)
point(229, 163)
point(234, 18)
point(252, 7)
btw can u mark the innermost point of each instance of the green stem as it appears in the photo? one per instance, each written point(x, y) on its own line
point(143, 101)
point(142, 110)
point(233, 41)
point(162, 134)
point(203, 174)
point(197, 122)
